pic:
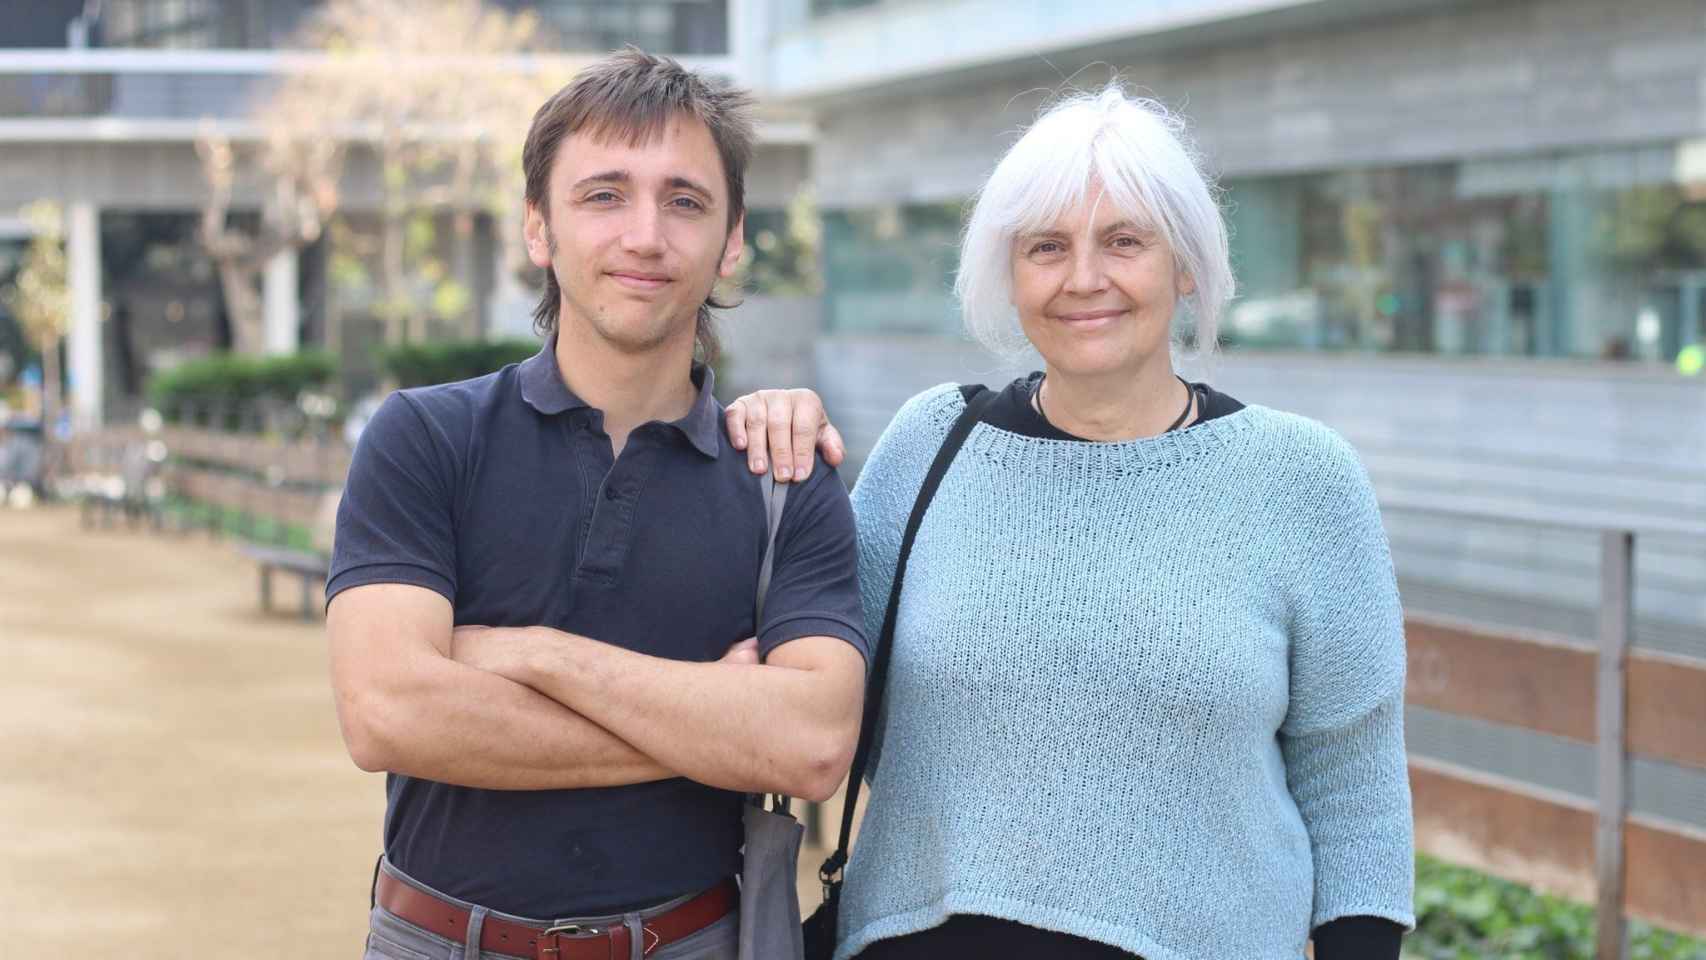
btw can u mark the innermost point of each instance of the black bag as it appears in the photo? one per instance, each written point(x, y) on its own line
point(819, 928)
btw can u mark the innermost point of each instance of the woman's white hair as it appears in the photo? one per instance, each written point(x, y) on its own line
point(1136, 148)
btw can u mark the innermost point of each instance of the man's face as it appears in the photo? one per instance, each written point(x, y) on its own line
point(637, 235)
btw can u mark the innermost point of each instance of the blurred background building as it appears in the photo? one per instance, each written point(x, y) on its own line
point(1471, 236)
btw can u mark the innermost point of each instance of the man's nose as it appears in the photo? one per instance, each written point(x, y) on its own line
point(643, 233)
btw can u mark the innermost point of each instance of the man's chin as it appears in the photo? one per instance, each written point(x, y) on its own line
point(641, 336)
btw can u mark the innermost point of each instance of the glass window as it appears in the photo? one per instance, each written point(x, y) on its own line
point(892, 267)
point(686, 27)
point(1599, 256)
point(824, 7)
point(200, 24)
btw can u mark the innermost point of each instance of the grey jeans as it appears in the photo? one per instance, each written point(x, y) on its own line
point(390, 937)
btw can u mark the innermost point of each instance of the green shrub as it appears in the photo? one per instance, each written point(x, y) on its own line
point(447, 361)
point(1465, 915)
point(227, 385)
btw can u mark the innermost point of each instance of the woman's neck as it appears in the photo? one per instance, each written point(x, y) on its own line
point(1116, 407)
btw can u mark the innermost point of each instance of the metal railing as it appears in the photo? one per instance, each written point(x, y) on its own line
point(1641, 703)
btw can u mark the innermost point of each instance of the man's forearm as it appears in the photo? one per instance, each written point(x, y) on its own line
point(750, 727)
point(441, 720)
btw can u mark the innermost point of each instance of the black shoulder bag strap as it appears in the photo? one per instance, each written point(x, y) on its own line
point(821, 926)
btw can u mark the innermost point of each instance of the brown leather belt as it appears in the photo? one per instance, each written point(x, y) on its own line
point(565, 941)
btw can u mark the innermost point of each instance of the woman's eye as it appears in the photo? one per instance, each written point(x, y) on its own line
point(1047, 246)
point(1127, 242)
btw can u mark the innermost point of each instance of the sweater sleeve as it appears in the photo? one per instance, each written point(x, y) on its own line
point(1343, 735)
point(882, 501)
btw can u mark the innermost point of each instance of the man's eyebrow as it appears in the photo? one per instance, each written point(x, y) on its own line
point(608, 176)
point(683, 183)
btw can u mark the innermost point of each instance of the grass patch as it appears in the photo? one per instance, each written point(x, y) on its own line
point(1465, 915)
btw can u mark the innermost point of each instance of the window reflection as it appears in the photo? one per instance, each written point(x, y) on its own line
point(1598, 256)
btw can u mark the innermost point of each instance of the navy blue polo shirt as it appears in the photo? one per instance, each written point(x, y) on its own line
point(501, 494)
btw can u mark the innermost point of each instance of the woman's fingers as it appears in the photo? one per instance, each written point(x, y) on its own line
point(829, 443)
point(783, 427)
point(734, 423)
point(757, 439)
point(779, 417)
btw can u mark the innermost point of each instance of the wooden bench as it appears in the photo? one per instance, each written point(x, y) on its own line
point(309, 568)
point(116, 473)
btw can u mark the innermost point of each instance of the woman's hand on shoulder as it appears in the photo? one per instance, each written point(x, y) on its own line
point(781, 428)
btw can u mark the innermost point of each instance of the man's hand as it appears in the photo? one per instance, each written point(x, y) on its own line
point(744, 652)
point(785, 425)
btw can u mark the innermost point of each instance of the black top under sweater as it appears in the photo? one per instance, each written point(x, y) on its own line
point(971, 935)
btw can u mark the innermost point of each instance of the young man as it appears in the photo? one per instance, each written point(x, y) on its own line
point(541, 575)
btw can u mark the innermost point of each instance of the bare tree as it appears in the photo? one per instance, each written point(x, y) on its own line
point(441, 94)
point(40, 298)
point(301, 172)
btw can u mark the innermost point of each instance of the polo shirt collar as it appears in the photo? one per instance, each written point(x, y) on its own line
point(543, 388)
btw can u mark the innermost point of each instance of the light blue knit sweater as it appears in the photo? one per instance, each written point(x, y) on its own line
point(1148, 693)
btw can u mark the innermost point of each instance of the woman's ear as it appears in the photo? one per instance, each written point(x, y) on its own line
point(1184, 283)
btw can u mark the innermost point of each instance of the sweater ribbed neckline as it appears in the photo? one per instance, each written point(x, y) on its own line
point(1117, 456)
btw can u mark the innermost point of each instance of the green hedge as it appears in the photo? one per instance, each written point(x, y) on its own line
point(227, 384)
point(1465, 915)
point(447, 361)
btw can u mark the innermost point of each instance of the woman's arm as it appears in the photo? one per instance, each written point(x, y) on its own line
point(1343, 735)
point(882, 501)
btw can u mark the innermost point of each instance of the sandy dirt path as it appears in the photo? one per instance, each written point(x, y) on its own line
point(174, 783)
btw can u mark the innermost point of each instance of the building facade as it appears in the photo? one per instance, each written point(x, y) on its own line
point(101, 106)
point(1470, 236)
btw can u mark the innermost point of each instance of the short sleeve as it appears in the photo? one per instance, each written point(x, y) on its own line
point(395, 520)
point(814, 582)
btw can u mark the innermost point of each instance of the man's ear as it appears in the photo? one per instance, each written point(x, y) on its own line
point(537, 234)
point(733, 248)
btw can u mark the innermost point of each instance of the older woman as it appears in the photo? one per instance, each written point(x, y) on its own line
point(1146, 691)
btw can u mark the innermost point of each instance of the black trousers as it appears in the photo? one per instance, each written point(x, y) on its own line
point(970, 935)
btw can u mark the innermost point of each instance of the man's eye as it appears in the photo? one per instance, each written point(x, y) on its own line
point(602, 196)
point(687, 203)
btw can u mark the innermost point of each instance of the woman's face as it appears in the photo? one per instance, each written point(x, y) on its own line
point(1095, 292)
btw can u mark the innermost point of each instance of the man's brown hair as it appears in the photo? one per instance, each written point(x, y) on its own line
point(633, 95)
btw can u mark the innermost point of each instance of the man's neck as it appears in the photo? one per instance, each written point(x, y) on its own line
point(629, 388)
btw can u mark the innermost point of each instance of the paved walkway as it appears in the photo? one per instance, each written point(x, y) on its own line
point(172, 759)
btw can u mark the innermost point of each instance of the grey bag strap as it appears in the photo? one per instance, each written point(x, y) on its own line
point(775, 495)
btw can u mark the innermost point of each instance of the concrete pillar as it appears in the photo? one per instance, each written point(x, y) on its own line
point(83, 256)
point(280, 309)
point(509, 307)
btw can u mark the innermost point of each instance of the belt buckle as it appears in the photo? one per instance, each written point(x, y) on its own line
point(550, 942)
